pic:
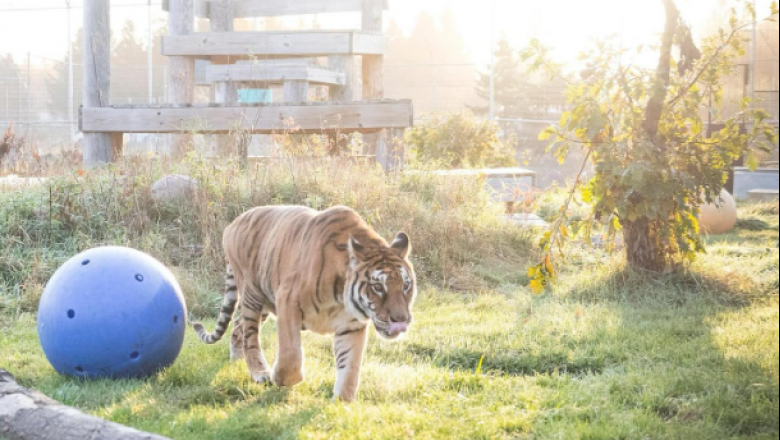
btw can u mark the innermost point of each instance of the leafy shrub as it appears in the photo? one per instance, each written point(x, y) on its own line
point(461, 140)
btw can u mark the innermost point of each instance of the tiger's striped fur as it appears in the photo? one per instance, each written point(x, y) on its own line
point(326, 272)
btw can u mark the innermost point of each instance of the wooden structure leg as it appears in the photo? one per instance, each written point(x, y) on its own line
point(181, 70)
point(98, 147)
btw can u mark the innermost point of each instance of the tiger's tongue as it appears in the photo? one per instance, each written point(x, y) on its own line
point(397, 328)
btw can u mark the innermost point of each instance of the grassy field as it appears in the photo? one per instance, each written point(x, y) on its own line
point(609, 354)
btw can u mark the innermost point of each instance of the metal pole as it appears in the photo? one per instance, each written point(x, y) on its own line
point(493, 62)
point(70, 80)
point(150, 55)
point(753, 45)
point(29, 95)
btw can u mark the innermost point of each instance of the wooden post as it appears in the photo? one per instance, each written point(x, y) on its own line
point(345, 93)
point(345, 64)
point(99, 148)
point(296, 91)
point(384, 145)
point(390, 149)
point(373, 65)
point(222, 16)
point(181, 70)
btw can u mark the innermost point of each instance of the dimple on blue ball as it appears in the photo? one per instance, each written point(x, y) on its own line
point(112, 312)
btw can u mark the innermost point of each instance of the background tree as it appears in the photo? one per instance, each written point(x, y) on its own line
point(515, 94)
point(128, 69)
point(10, 108)
point(643, 130)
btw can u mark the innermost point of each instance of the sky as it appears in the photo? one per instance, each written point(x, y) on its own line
point(566, 25)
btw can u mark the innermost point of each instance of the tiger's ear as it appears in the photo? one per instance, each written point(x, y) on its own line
point(402, 244)
point(355, 250)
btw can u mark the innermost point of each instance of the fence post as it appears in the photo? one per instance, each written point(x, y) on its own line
point(222, 17)
point(386, 144)
point(99, 148)
point(181, 70)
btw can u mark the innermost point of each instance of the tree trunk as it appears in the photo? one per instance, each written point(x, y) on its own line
point(29, 415)
point(645, 250)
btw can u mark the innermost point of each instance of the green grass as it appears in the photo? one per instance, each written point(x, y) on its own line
point(610, 354)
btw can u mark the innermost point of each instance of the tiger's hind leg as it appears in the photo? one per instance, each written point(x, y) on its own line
point(253, 317)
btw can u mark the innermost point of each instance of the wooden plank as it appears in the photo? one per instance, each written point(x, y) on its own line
point(276, 74)
point(272, 8)
point(302, 43)
point(365, 117)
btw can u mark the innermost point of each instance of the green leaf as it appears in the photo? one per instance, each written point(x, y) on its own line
point(752, 162)
point(547, 133)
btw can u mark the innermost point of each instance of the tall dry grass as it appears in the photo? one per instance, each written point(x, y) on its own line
point(461, 240)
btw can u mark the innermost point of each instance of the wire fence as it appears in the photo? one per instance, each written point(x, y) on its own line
point(41, 98)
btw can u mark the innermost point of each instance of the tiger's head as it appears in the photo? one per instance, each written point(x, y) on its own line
point(381, 284)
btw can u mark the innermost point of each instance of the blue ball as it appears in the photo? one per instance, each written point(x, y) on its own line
point(112, 312)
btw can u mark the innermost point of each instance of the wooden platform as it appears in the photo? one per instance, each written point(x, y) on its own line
point(363, 117)
point(275, 74)
point(271, 8)
point(301, 43)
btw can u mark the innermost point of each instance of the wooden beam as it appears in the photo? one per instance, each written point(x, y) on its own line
point(365, 117)
point(271, 8)
point(275, 8)
point(302, 43)
point(273, 74)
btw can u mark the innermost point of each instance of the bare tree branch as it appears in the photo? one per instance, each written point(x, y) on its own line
point(663, 75)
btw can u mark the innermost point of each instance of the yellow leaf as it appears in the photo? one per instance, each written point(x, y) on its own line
point(548, 266)
point(537, 287)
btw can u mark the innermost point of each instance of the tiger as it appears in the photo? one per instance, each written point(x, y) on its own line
point(325, 272)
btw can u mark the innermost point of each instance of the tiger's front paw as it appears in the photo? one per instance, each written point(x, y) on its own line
point(346, 396)
point(261, 378)
point(287, 377)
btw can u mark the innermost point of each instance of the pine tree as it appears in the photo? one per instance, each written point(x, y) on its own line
point(515, 95)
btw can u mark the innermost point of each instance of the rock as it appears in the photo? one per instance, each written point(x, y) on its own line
point(719, 218)
point(174, 188)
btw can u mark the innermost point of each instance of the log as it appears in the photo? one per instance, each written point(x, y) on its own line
point(29, 415)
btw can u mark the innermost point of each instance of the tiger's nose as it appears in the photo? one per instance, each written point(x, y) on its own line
point(400, 318)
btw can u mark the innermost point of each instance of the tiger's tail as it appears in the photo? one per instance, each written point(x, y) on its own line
point(226, 313)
